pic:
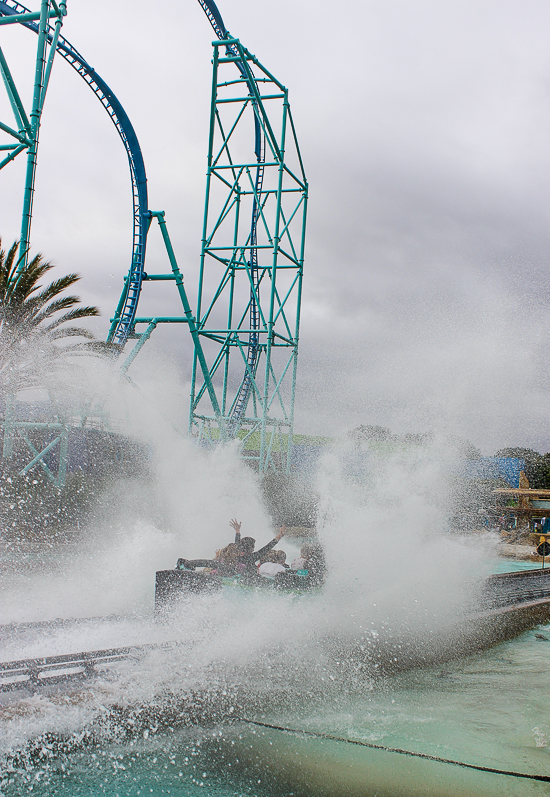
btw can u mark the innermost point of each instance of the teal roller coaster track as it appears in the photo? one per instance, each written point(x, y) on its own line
point(250, 281)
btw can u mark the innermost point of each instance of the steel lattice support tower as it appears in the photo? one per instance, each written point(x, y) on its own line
point(250, 284)
point(24, 137)
point(245, 331)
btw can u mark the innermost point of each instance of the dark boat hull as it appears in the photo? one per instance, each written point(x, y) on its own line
point(172, 585)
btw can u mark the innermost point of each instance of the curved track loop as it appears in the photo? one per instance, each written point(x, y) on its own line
point(241, 401)
point(123, 325)
point(120, 119)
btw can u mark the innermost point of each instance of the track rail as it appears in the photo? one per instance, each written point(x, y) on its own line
point(34, 674)
point(15, 629)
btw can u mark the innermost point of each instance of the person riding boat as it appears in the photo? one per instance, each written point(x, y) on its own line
point(237, 527)
point(248, 556)
point(225, 559)
point(240, 559)
point(274, 563)
point(312, 561)
point(228, 561)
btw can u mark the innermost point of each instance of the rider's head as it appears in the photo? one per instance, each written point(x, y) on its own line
point(247, 544)
point(229, 553)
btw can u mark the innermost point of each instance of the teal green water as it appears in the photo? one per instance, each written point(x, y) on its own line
point(503, 565)
point(164, 767)
point(492, 710)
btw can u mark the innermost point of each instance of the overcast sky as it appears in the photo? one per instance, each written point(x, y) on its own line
point(425, 131)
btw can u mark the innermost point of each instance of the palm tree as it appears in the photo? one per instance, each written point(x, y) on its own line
point(32, 318)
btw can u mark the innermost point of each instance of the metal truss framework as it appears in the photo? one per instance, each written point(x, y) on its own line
point(24, 137)
point(11, 12)
point(250, 283)
point(15, 430)
point(248, 312)
point(53, 457)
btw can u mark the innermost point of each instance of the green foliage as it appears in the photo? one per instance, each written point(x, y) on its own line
point(381, 435)
point(33, 318)
point(465, 448)
point(376, 433)
point(537, 466)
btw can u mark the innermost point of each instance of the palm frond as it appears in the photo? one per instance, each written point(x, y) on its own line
point(34, 318)
point(23, 283)
point(89, 347)
point(7, 266)
point(56, 287)
point(73, 315)
point(67, 332)
point(42, 314)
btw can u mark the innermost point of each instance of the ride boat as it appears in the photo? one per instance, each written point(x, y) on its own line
point(171, 585)
point(508, 603)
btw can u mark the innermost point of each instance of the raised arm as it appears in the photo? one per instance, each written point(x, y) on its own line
point(237, 526)
point(271, 544)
